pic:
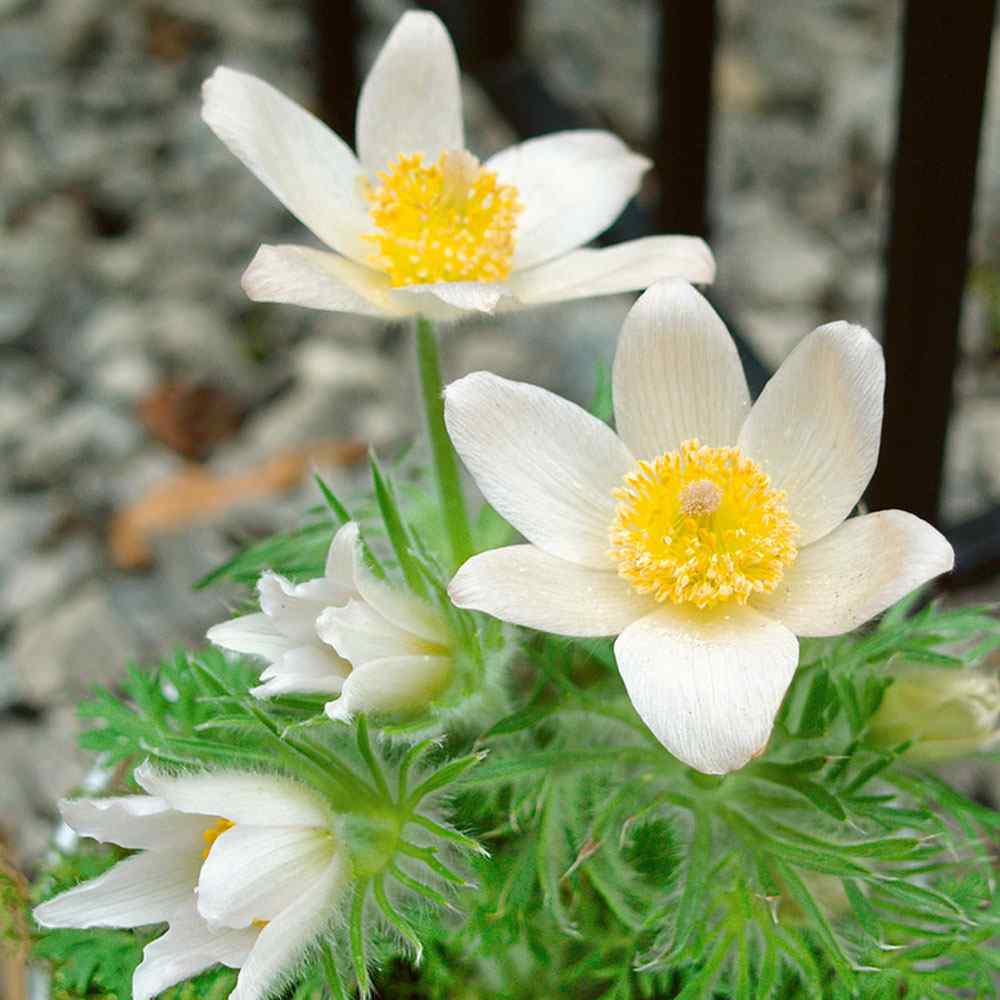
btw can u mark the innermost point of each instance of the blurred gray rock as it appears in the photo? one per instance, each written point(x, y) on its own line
point(81, 431)
point(43, 578)
point(196, 339)
point(63, 654)
point(27, 395)
point(774, 260)
point(775, 332)
point(24, 522)
point(147, 601)
point(42, 764)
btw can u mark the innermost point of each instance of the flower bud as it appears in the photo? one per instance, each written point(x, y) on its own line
point(372, 647)
point(945, 712)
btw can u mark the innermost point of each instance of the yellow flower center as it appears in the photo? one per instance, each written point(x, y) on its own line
point(212, 834)
point(701, 526)
point(444, 221)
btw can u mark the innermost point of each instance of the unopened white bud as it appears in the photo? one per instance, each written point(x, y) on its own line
point(946, 712)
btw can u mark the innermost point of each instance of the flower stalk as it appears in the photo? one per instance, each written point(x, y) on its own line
point(444, 462)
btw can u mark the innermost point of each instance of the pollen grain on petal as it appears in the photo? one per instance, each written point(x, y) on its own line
point(450, 220)
point(701, 526)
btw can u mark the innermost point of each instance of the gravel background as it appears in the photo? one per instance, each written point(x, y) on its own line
point(128, 350)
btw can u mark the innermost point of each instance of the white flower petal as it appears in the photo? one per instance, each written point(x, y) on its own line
point(526, 586)
point(302, 276)
point(318, 661)
point(359, 634)
point(310, 169)
point(340, 559)
point(395, 684)
point(134, 821)
point(283, 602)
point(254, 635)
point(188, 947)
point(573, 185)
point(255, 872)
point(323, 591)
point(411, 101)
point(857, 571)
point(284, 940)
point(401, 608)
point(625, 267)
point(677, 374)
point(466, 296)
point(545, 464)
point(708, 683)
point(315, 669)
point(261, 799)
point(815, 428)
point(279, 684)
point(143, 889)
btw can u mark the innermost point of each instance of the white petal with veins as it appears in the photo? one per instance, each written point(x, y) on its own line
point(237, 796)
point(545, 464)
point(708, 683)
point(411, 100)
point(524, 585)
point(573, 185)
point(677, 374)
point(815, 428)
point(856, 572)
point(310, 169)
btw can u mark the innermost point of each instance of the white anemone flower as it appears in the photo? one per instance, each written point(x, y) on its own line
point(416, 224)
point(706, 534)
point(245, 869)
point(346, 633)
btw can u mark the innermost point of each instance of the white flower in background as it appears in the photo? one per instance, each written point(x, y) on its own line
point(244, 868)
point(948, 713)
point(709, 534)
point(346, 633)
point(283, 632)
point(415, 223)
point(399, 647)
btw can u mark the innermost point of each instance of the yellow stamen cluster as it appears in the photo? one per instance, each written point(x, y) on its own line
point(445, 221)
point(701, 526)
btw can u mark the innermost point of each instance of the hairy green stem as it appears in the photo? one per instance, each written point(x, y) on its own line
point(333, 981)
point(444, 460)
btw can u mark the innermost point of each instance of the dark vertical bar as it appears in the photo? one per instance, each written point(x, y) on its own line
point(945, 62)
point(501, 35)
point(483, 33)
point(687, 50)
point(335, 26)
